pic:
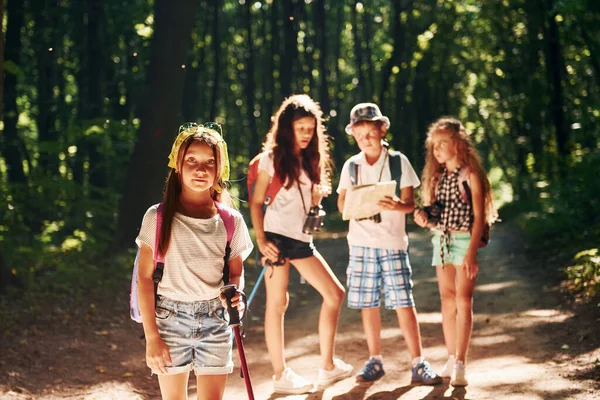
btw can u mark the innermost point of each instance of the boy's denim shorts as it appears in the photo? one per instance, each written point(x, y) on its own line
point(459, 244)
point(197, 334)
point(369, 269)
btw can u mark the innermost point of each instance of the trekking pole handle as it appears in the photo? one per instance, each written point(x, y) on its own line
point(229, 291)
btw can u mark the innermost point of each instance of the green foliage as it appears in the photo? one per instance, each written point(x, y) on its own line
point(584, 273)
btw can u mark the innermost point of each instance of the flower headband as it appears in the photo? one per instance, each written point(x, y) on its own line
point(213, 131)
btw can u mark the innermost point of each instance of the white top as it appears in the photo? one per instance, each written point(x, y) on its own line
point(194, 261)
point(285, 215)
point(390, 233)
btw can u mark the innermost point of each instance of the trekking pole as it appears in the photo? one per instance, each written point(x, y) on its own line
point(256, 285)
point(242, 354)
point(234, 321)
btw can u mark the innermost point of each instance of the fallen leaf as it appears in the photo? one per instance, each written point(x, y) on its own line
point(127, 375)
point(103, 332)
point(101, 369)
point(113, 347)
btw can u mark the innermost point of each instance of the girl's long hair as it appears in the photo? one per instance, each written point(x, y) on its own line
point(316, 159)
point(467, 157)
point(218, 192)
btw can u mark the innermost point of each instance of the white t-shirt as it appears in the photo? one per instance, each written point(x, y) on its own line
point(390, 233)
point(194, 261)
point(285, 215)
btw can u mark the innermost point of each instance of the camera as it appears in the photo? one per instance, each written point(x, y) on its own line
point(314, 219)
point(434, 212)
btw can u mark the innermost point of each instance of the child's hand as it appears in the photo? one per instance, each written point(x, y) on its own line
point(319, 191)
point(389, 203)
point(268, 249)
point(236, 302)
point(420, 218)
point(157, 355)
point(470, 265)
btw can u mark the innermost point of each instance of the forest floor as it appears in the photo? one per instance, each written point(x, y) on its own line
point(528, 341)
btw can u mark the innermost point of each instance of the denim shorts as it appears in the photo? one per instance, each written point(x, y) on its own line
point(197, 334)
point(291, 248)
point(369, 269)
point(455, 254)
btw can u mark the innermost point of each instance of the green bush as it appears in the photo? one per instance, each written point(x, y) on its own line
point(584, 273)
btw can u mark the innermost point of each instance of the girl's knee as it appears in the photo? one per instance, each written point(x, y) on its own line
point(464, 302)
point(278, 305)
point(448, 296)
point(335, 297)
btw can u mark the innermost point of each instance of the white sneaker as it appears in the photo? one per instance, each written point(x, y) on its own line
point(340, 371)
point(459, 375)
point(291, 383)
point(448, 368)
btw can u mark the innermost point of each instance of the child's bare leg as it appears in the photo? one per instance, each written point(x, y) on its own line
point(446, 282)
point(318, 274)
point(371, 319)
point(173, 387)
point(407, 319)
point(276, 283)
point(464, 318)
point(210, 387)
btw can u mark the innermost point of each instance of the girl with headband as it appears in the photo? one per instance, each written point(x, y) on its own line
point(185, 325)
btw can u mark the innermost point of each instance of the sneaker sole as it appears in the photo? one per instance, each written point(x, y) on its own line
point(459, 384)
point(300, 390)
point(362, 379)
point(333, 380)
point(420, 382)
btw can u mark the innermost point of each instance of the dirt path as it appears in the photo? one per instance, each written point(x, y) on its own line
point(526, 344)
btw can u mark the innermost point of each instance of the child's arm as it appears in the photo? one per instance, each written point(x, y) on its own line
point(157, 352)
point(341, 200)
point(470, 261)
point(405, 204)
point(266, 247)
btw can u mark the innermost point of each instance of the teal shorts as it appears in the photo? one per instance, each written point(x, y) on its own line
point(459, 244)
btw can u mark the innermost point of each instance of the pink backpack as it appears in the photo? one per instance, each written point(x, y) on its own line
point(159, 259)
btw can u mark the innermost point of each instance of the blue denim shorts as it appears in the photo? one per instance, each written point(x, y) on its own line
point(197, 334)
point(369, 269)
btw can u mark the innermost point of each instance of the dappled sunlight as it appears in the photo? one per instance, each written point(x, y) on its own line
point(549, 315)
point(494, 287)
point(491, 340)
point(429, 318)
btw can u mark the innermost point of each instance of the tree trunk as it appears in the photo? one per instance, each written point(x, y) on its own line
point(555, 68)
point(321, 44)
point(11, 148)
point(249, 88)
point(216, 46)
point(358, 56)
point(290, 53)
point(147, 171)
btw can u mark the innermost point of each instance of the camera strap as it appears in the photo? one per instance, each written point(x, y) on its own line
point(302, 197)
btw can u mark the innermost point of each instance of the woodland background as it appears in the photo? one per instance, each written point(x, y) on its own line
point(94, 90)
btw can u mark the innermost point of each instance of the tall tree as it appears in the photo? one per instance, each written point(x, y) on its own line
point(12, 146)
point(173, 22)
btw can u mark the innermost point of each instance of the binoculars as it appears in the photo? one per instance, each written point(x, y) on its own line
point(434, 212)
point(314, 220)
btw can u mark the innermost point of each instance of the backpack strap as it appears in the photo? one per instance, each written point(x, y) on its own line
point(396, 168)
point(159, 258)
point(229, 222)
point(463, 184)
point(353, 169)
